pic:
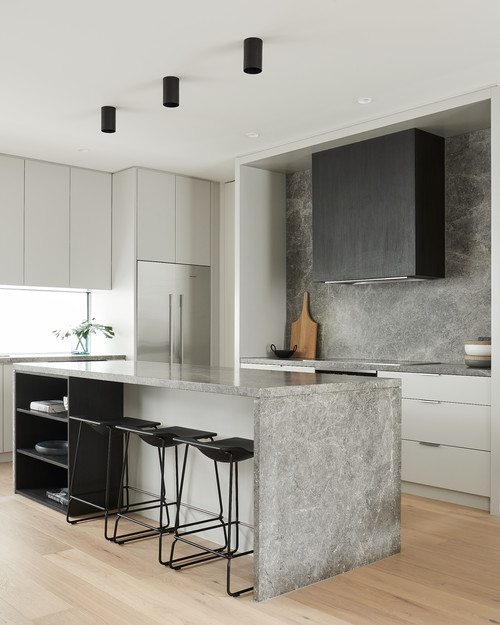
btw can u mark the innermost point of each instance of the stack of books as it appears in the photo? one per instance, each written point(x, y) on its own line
point(48, 405)
point(59, 494)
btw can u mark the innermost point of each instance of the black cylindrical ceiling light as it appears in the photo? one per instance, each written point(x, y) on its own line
point(108, 119)
point(252, 55)
point(170, 91)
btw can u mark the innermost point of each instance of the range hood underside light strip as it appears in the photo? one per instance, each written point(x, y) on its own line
point(376, 280)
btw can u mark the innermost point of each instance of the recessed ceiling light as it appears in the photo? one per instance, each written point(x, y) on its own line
point(365, 100)
point(251, 135)
point(83, 150)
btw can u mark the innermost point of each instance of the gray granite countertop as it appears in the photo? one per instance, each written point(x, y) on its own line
point(69, 357)
point(227, 381)
point(355, 365)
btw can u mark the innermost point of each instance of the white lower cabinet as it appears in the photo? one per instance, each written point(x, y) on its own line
point(5, 408)
point(7, 425)
point(443, 466)
point(446, 431)
point(2, 411)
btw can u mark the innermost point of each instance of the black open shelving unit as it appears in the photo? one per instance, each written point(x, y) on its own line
point(36, 473)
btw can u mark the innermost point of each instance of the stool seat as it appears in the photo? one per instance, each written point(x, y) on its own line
point(166, 436)
point(115, 423)
point(225, 450)
point(94, 499)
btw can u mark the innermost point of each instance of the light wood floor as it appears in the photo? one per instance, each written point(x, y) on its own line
point(52, 573)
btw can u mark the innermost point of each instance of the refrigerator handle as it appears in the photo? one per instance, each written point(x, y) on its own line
point(181, 329)
point(170, 328)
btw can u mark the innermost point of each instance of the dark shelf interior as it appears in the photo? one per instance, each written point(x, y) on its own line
point(35, 472)
point(55, 416)
point(40, 495)
point(60, 461)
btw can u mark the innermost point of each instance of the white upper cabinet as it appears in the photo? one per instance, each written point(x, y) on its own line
point(173, 218)
point(12, 215)
point(46, 224)
point(90, 230)
point(55, 225)
point(155, 216)
point(192, 223)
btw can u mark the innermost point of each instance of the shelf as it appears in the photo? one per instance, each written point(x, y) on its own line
point(54, 416)
point(40, 495)
point(58, 461)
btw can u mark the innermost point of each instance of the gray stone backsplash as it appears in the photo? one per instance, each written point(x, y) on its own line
point(409, 321)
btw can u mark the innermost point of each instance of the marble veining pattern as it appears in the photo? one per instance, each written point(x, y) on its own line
point(328, 489)
point(409, 321)
point(205, 379)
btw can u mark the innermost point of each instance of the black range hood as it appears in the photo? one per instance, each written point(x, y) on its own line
point(379, 210)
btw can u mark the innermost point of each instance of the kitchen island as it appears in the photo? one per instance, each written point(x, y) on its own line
point(324, 488)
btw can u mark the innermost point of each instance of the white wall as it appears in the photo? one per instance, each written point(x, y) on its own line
point(227, 276)
point(495, 301)
point(215, 273)
point(117, 307)
point(260, 286)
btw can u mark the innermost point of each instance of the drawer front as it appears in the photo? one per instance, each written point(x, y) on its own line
point(454, 388)
point(453, 468)
point(460, 425)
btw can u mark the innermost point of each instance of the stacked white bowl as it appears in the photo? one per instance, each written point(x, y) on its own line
point(478, 353)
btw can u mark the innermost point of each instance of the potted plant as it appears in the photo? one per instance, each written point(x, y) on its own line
point(82, 332)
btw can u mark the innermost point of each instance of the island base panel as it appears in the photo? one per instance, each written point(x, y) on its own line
point(327, 486)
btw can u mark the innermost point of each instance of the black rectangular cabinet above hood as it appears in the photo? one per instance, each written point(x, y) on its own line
point(379, 209)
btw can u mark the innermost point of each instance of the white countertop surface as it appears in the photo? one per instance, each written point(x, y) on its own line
point(244, 382)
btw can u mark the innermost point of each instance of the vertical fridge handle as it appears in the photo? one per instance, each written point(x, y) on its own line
point(170, 328)
point(181, 329)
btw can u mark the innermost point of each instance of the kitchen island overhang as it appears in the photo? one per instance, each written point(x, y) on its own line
point(326, 473)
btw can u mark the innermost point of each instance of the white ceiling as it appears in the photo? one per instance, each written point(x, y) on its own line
point(61, 60)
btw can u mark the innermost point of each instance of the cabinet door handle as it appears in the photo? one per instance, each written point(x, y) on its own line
point(429, 444)
point(434, 375)
point(429, 401)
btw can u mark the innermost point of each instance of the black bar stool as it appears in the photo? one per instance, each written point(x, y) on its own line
point(231, 451)
point(105, 427)
point(161, 438)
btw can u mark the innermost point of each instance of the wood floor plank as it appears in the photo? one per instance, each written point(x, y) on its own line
point(52, 573)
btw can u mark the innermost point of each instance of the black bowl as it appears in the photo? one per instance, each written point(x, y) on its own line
point(283, 353)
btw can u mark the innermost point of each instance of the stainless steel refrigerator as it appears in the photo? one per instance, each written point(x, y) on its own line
point(173, 313)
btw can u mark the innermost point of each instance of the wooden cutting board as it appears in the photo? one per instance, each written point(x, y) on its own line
point(304, 333)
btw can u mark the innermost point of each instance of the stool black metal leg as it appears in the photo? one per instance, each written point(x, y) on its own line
point(123, 487)
point(231, 554)
point(221, 505)
point(108, 483)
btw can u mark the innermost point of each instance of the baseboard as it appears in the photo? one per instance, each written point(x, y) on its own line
point(450, 496)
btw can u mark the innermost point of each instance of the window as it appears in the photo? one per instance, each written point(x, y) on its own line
point(28, 317)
